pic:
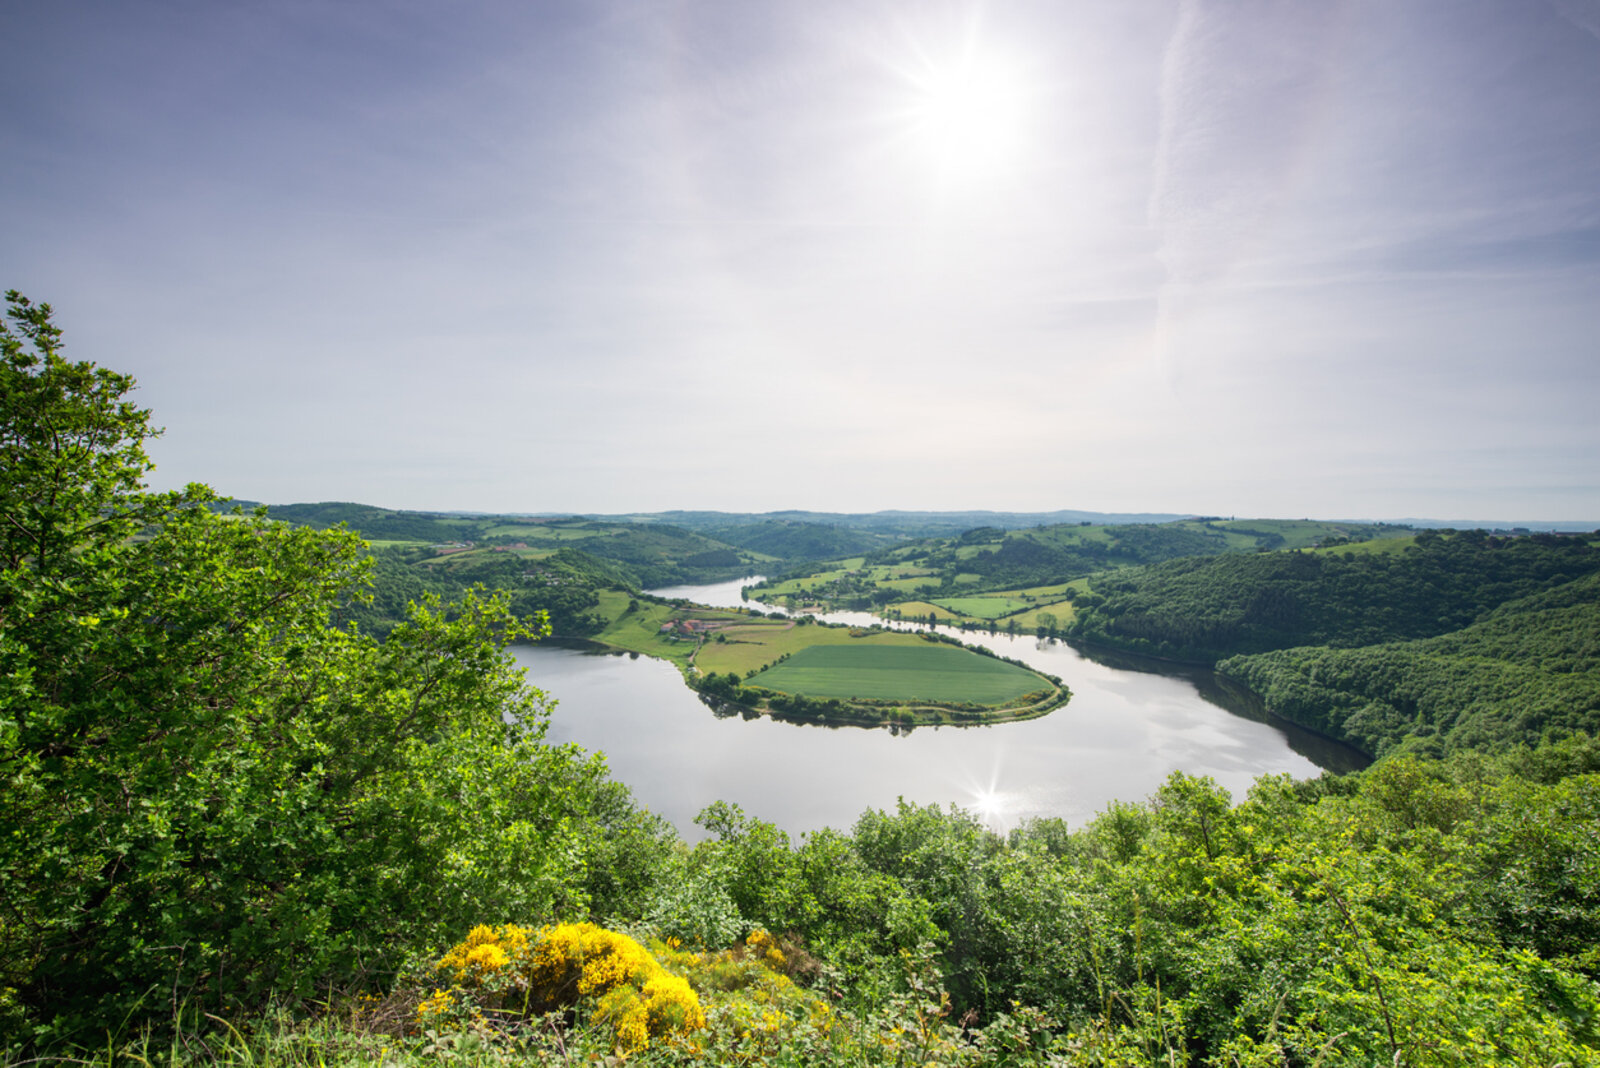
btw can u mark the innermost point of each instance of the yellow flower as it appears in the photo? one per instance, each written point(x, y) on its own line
point(563, 964)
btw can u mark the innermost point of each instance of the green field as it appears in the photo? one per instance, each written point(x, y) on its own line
point(934, 673)
point(544, 532)
point(982, 607)
point(915, 584)
point(920, 610)
point(1060, 613)
point(1391, 546)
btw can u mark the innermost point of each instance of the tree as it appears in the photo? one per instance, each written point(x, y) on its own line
point(211, 793)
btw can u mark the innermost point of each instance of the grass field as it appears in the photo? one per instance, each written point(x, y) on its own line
point(543, 532)
point(908, 585)
point(1296, 533)
point(1046, 593)
point(1377, 545)
point(796, 587)
point(640, 631)
point(915, 610)
point(898, 672)
point(486, 554)
point(982, 607)
point(752, 645)
point(1062, 611)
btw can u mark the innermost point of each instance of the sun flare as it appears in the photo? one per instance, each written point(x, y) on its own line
point(967, 114)
point(988, 805)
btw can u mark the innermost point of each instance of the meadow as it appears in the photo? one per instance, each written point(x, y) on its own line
point(983, 607)
point(898, 672)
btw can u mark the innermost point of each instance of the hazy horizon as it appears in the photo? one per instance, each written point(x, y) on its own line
point(1563, 525)
point(1262, 258)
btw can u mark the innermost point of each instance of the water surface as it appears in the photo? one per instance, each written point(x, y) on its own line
point(1128, 725)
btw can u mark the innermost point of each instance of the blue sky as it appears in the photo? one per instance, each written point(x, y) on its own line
point(1337, 259)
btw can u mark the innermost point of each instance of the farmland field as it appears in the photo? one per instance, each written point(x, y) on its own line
point(937, 673)
point(982, 607)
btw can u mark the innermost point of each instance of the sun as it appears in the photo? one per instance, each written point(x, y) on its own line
point(988, 805)
point(967, 113)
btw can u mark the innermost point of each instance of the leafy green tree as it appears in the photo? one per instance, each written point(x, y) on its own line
point(212, 794)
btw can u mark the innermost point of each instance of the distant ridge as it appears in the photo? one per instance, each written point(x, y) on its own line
point(896, 519)
point(1574, 526)
point(890, 520)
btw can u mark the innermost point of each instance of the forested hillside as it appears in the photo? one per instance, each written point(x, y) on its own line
point(790, 541)
point(562, 588)
point(1529, 667)
point(985, 559)
point(1205, 609)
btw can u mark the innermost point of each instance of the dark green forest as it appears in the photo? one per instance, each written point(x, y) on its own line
point(1205, 609)
point(1460, 640)
point(243, 828)
point(1528, 668)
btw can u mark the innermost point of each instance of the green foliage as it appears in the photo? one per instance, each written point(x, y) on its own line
point(898, 672)
point(212, 794)
point(1208, 608)
point(1530, 668)
point(380, 524)
point(561, 589)
point(788, 540)
point(989, 558)
point(216, 794)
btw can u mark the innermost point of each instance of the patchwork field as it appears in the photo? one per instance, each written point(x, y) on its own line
point(1049, 616)
point(982, 607)
point(934, 673)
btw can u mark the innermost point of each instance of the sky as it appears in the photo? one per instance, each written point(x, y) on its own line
point(1245, 257)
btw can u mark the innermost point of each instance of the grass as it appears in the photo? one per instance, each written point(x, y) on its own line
point(908, 585)
point(797, 587)
point(830, 662)
point(639, 631)
point(982, 607)
point(1296, 533)
point(1077, 535)
point(543, 532)
point(899, 672)
point(1063, 611)
point(1383, 546)
point(915, 610)
point(1046, 593)
point(758, 643)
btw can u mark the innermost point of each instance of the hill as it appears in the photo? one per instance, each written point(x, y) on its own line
point(1035, 563)
point(1204, 609)
point(1528, 669)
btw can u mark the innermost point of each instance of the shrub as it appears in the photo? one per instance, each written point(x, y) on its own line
point(573, 965)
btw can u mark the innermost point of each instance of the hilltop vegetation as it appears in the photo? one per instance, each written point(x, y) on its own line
point(239, 831)
point(213, 794)
point(1527, 668)
point(1460, 640)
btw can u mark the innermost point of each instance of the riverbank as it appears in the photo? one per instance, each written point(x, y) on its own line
point(806, 671)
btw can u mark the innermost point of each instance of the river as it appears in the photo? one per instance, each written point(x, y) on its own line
point(1129, 724)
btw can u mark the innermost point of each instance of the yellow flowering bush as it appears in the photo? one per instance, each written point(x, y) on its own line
point(565, 965)
point(753, 1010)
point(762, 943)
point(485, 952)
